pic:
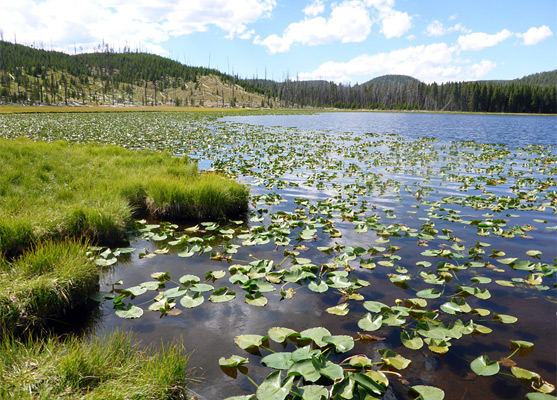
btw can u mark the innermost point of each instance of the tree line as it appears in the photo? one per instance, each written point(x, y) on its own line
point(31, 75)
point(515, 96)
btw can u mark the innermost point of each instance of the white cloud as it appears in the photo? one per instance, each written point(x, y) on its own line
point(480, 40)
point(136, 23)
point(314, 9)
point(535, 35)
point(478, 71)
point(395, 23)
point(436, 28)
point(435, 62)
point(349, 22)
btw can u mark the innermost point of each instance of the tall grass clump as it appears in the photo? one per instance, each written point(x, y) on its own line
point(102, 369)
point(208, 197)
point(54, 190)
point(44, 282)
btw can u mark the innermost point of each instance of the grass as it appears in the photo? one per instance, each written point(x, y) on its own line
point(55, 199)
point(54, 191)
point(43, 283)
point(104, 368)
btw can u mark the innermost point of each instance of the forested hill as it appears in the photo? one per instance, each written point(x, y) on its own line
point(532, 94)
point(106, 77)
point(391, 80)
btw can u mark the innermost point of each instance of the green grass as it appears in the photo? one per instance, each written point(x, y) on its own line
point(56, 198)
point(54, 190)
point(103, 369)
point(43, 283)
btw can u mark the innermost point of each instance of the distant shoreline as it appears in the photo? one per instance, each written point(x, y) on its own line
point(19, 109)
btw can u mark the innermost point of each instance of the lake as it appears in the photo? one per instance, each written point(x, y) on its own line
point(512, 130)
point(446, 220)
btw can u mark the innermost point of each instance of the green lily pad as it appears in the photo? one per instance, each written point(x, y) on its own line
point(428, 392)
point(522, 373)
point(130, 312)
point(273, 388)
point(279, 334)
point(278, 360)
point(369, 323)
point(393, 359)
point(232, 361)
point(256, 299)
point(192, 300)
point(248, 341)
point(222, 295)
point(484, 367)
point(313, 392)
point(411, 340)
point(315, 334)
point(342, 343)
point(341, 309)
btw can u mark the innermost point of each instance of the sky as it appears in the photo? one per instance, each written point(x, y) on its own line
point(345, 41)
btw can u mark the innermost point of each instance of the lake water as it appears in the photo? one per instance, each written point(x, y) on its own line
point(369, 189)
point(512, 130)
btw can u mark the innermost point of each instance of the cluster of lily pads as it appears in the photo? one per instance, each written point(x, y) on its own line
point(355, 377)
point(434, 226)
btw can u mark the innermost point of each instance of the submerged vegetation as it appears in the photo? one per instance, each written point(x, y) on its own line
point(426, 263)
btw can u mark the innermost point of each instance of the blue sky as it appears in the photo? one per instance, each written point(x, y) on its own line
point(343, 40)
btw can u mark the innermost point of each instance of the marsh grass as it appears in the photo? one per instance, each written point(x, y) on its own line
point(44, 282)
point(104, 368)
point(54, 190)
point(55, 199)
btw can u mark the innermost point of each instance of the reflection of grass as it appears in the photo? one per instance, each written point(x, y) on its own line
point(109, 368)
point(53, 190)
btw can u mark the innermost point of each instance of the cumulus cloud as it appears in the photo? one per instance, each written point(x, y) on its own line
point(436, 28)
point(314, 9)
point(479, 40)
point(142, 23)
point(435, 62)
point(349, 22)
point(393, 23)
point(535, 35)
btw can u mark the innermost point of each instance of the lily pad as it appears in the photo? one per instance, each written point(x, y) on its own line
point(484, 367)
point(428, 392)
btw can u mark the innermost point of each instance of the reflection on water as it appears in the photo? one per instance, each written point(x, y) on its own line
point(409, 195)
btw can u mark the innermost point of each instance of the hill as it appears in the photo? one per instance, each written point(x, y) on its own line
point(36, 76)
point(391, 80)
point(105, 77)
point(541, 79)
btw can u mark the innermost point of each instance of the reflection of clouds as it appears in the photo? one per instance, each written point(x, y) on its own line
point(211, 328)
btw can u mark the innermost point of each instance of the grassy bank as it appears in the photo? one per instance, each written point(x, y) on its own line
point(54, 190)
point(44, 282)
point(109, 368)
point(56, 199)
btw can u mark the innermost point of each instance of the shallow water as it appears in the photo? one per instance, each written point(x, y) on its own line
point(345, 175)
point(209, 329)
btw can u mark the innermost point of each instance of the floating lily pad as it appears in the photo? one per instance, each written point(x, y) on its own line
point(484, 367)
